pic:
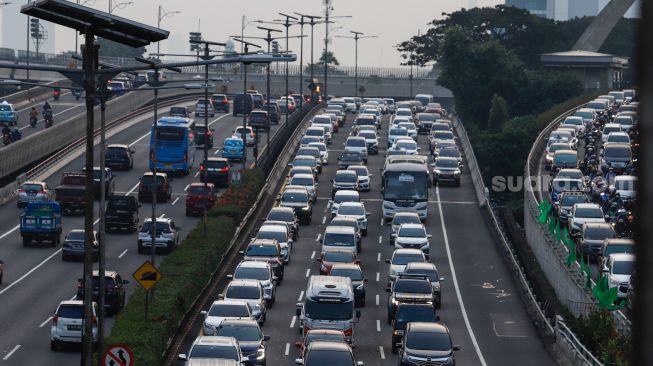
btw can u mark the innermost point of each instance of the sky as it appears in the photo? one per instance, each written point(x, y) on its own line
point(391, 21)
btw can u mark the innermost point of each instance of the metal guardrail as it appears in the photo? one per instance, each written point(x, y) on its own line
point(582, 356)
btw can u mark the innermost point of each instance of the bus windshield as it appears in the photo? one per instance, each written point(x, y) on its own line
point(170, 133)
point(332, 310)
point(405, 185)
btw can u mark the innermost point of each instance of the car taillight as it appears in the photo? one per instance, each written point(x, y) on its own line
point(21, 191)
point(55, 319)
point(95, 321)
point(225, 169)
point(349, 332)
point(251, 135)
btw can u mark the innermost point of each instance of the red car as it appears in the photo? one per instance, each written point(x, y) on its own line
point(335, 256)
point(197, 196)
point(330, 335)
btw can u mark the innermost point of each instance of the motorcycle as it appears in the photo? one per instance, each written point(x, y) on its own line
point(56, 93)
point(47, 116)
point(77, 94)
point(32, 121)
point(6, 139)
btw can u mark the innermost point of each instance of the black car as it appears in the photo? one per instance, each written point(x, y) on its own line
point(300, 202)
point(320, 353)
point(114, 290)
point(273, 112)
point(220, 102)
point(414, 289)
point(423, 341)
point(179, 112)
point(74, 247)
point(109, 184)
point(217, 171)
point(243, 104)
point(285, 214)
point(259, 119)
point(202, 136)
point(350, 157)
point(249, 336)
point(355, 273)
point(407, 313)
point(119, 156)
point(122, 213)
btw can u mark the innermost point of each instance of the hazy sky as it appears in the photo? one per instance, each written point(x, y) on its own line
point(392, 21)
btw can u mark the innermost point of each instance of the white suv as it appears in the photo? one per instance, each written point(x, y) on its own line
point(224, 309)
point(67, 323)
point(167, 235)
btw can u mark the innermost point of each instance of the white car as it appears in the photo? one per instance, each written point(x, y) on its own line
point(250, 136)
point(281, 235)
point(410, 126)
point(363, 176)
point(400, 258)
point(317, 132)
point(305, 180)
point(215, 349)
point(401, 218)
point(221, 310)
point(67, 323)
point(409, 146)
point(575, 122)
point(359, 144)
point(357, 211)
point(396, 132)
point(404, 112)
point(625, 186)
point(343, 195)
point(324, 152)
point(582, 213)
point(249, 291)
point(258, 270)
point(371, 140)
point(396, 120)
point(412, 236)
point(619, 267)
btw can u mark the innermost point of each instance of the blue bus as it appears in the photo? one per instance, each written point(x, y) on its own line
point(174, 137)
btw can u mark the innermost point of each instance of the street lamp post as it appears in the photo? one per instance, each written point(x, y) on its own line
point(301, 54)
point(356, 37)
point(244, 132)
point(269, 40)
point(90, 2)
point(118, 5)
point(287, 24)
point(162, 15)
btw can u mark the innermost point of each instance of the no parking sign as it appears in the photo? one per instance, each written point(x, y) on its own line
point(118, 355)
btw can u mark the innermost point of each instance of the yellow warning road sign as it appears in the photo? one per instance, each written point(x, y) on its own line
point(147, 275)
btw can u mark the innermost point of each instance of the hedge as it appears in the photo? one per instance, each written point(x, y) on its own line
point(185, 272)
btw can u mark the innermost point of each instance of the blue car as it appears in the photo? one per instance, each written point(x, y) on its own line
point(8, 115)
point(233, 149)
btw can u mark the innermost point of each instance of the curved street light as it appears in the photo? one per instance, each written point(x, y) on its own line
point(118, 5)
point(160, 17)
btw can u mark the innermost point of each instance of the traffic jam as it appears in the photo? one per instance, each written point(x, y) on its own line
point(357, 160)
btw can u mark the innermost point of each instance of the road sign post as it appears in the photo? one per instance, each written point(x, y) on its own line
point(118, 355)
point(147, 276)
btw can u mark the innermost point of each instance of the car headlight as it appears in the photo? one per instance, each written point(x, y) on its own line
point(306, 208)
point(613, 282)
point(437, 171)
point(456, 173)
point(398, 333)
point(260, 354)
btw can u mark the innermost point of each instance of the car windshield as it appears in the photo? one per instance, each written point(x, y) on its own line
point(315, 132)
point(412, 232)
point(233, 143)
point(278, 215)
point(197, 190)
point(405, 185)
point(354, 274)
point(5, 108)
point(428, 341)
point(302, 181)
point(214, 351)
point(618, 138)
point(299, 197)
point(31, 187)
point(431, 273)
point(622, 267)
point(566, 158)
point(559, 185)
point(328, 310)
point(311, 152)
point(356, 143)
point(573, 121)
point(262, 274)
point(229, 311)
point(71, 311)
point(599, 233)
point(625, 184)
point(407, 145)
point(571, 199)
point(589, 212)
point(365, 121)
point(322, 120)
point(618, 151)
point(329, 357)
point(279, 236)
point(361, 171)
point(261, 251)
point(405, 219)
point(160, 227)
point(241, 333)
point(349, 155)
point(446, 163)
point(608, 129)
point(411, 313)
point(370, 135)
point(403, 259)
point(413, 286)
point(340, 198)
point(624, 120)
point(243, 292)
point(449, 153)
point(346, 178)
point(304, 162)
point(318, 336)
point(399, 132)
point(308, 139)
point(116, 151)
point(339, 240)
point(351, 210)
point(319, 146)
point(338, 256)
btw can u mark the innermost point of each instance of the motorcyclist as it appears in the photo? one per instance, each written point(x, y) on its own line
point(6, 130)
point(15, 134)
point(34, 113)
point(47, 107)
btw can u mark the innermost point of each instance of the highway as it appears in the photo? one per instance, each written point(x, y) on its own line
point(479, 300)
point(36, 278)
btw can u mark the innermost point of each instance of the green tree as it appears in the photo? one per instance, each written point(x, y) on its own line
point(498, 113)
point(329, 57)
point(110, 48)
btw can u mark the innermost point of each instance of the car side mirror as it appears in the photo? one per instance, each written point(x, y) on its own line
point(456, 347)
point(365, 280)
point(204, 312)
point(367, 214)
point(387, 261)
point(360, 363)
point(266, 338)
point(182, 357)
point(242, 252)
point(221, 296)
point(299, 361)
point(230, 276)
point(358, 314)
point(429, 236)
point(299, 344)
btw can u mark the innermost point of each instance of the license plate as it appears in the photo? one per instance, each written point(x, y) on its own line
point(74, 327)
point(168, 166)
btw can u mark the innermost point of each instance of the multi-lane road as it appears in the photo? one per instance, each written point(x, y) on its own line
point(36, 278)
point(480, 303)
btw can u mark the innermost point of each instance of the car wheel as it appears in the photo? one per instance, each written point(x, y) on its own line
point(364, 231)
point(26, 242)
point(54, 346)
point(395, 349)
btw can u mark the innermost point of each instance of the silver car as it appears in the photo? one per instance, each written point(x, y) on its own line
point(33, 191)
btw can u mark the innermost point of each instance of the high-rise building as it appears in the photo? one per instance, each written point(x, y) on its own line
point(13, 25)
point(536, 7)
point(567, 9)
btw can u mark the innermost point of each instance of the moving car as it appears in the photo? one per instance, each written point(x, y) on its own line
point(427, 341)
point(74, 247)
point(33, 191)
point(67, 321)
point(251, 292)
point(199, 198)
point(251, 341)
point(114, 290)
point(221, 310)
point(167, 235)
point(119, 157)
point(207, 348)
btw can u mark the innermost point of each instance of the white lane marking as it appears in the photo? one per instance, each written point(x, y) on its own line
point(30, 271)
point(380, 239)
point(377, 276)
point(73, 298)
point(323, 220)
point(197, 173)
point(13, 350)
point(123, 253)
point(292, 322)
point(308, 272)
point(455, 282)
point(186, 188)
point(382, 221)
point(45, 322)
point(217, 151)
point(162, 216)
point(318, 237)
point(382, 353)
point(377, 299)
point(378, 325)
point(378, 257)
point(96, 221)
point(287, 351)
point(313, 255)
point(10, 231)
point(133, 189)
point(301, 296)
point(175, 201)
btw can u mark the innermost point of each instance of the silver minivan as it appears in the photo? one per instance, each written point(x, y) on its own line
point(339, 237)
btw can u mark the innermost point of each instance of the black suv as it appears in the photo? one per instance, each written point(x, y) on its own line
point(259, 119)
point(414, 289)
point(109, 184)
point(202, 137)
point(119, 156)
point(350, 157)
point(114, 290)
point(251, 340)
point(407, 313)
point(285, 214)
point(179, 112)
point(300, 202)
point(243, 104)
point(216, 171)
point(427, 343)
point(163, 187)
point(273, 112)
point(122, 213)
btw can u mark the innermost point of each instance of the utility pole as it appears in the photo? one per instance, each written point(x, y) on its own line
point(269, 40)
point(244, 131)
point(161, 16)
point(287, 24)
point(356, 37)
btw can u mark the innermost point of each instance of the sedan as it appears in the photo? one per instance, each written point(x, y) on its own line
point(33, 191)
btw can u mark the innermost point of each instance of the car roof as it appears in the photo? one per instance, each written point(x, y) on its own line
point(339, 229)
point(232, 302)
point(244, 282)
point(329, 346)
point(270, 227)
point(345, 172)
point(587, 205)
point(239, 323)
point(354, 204)
point(303, 175)
point(347, 192)
point(412, 214)
point(218, 159)
point(280, 208)
point(412, 226)
point(352, 266)
point(623, 257)
point(253, 264)
point(597, 225)
point(125, 146)
point(421, 265)
point(427, 327)
point(406, 251)
point(215, 340)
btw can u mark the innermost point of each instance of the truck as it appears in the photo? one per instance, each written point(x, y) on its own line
point(41, 222)
point(71, 193)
